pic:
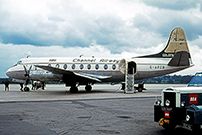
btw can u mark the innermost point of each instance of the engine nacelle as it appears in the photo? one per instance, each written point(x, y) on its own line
point(44, 76)
point(18, 80)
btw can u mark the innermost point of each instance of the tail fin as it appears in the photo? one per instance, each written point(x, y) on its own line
point(177, 42)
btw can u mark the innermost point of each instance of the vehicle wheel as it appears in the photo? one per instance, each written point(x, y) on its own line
point(26, 89)
point(169, 126)
point(73, 90)
point(88, 88)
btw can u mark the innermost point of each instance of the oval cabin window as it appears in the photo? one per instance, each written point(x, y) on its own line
point(96, 66)
point(113, 66)
point(57, 66)
point(89, 66)
point(73, 66)
point(105, 66)
point(81, 66)
point(65, 66)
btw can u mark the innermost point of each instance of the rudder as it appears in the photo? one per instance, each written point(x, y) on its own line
point(177, 42)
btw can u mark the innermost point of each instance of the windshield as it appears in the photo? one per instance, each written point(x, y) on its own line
point(18, 63)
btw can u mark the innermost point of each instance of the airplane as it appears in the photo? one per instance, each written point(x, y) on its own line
point(89, 70)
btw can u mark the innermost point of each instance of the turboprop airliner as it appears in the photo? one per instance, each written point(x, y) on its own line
point(76, 71)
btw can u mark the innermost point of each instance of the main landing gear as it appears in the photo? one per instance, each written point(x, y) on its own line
point(88, 88)
point(74, 88)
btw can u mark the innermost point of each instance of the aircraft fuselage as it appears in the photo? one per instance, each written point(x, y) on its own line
point(107, 70)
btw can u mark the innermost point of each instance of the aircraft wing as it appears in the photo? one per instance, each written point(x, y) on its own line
point(96, 78)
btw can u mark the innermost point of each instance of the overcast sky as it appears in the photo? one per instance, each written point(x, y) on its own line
point(108, 28)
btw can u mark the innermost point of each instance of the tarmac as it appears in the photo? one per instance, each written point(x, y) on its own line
point(56, 111)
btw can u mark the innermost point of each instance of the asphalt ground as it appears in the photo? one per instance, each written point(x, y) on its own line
point(105, 110)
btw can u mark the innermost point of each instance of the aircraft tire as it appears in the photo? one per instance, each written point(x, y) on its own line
point(88, 88)
point(26, 89)
point(139, 89)
point(73, 90)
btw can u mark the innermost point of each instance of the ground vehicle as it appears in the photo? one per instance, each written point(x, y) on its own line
point(193, 119)
point(172, 109)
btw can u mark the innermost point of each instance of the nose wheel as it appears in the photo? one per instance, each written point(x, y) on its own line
point(26, 89)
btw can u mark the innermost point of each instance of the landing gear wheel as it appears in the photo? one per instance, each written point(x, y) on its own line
point(88, 88)
point(139, 89)
point(26, 89)
point(73, 89)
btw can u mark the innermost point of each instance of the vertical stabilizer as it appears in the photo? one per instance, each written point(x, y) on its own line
point(177, 42)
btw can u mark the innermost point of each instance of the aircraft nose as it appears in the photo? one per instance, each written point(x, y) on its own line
point(8, 72)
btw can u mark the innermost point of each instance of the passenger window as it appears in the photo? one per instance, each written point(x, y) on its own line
point(113, 66)
point(89, 66)
point(65, 66)
point(81, 66)
point(57, 66)
point(73, 66)
point(97, 66)
point(105, 66)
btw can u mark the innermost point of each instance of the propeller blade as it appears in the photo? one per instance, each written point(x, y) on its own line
point(29, 69)
point(26, 72)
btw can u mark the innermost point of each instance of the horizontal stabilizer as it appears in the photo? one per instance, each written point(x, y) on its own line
point(181, 58)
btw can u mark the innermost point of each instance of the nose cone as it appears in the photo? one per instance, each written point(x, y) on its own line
point(8, 72)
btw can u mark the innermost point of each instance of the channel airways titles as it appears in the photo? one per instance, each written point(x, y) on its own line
point(94, 60)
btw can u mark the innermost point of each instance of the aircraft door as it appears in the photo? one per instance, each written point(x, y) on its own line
point(132, 67)
point(128, 66)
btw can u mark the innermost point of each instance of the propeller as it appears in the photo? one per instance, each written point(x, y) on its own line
point(27, 72)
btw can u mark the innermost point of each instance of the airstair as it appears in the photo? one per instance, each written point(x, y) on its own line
point(128, 68)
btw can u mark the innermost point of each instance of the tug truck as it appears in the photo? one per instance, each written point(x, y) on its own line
point(171, 110)
point(193, 119)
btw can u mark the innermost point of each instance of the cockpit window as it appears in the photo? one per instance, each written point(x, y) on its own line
point(19, 62)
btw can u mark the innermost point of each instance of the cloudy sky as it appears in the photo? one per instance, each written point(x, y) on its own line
point(112, 28)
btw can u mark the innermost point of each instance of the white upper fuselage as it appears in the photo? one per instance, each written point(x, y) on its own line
point(105, 69)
